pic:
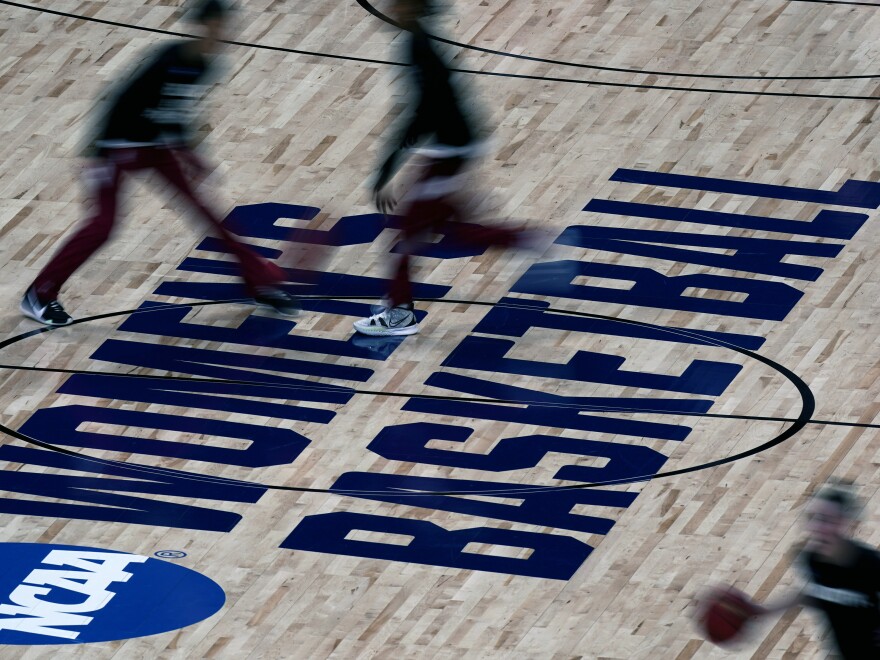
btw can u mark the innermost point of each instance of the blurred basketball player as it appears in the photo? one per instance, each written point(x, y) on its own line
point(447, 143)
point(842, 575)
point(147, 128)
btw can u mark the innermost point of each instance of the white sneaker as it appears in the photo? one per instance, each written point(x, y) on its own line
point(389, 323)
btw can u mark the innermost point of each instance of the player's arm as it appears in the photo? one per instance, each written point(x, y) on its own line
point(185, 128)
point(411, 135)
point(798, 596)
point(793, 599)
point(383, 200)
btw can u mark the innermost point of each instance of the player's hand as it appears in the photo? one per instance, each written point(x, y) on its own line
point(384, 200)
point(760, 610)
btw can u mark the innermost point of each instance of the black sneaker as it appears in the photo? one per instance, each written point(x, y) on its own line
point(281, 301)
point(52, 313)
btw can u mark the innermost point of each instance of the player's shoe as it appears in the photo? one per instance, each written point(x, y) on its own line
point(281, 301)
point(51, 314)
point(392, 322)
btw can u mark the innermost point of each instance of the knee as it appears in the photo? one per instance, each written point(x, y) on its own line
point(95, 232)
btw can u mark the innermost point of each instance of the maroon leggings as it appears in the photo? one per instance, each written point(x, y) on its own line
point(95, 231)
point(433, 211)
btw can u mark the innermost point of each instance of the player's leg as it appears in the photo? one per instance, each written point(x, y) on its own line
point(432, 206)
point(448, 178)
point(40, 302)
point(262, 278)
point(398, 316)
point(484, 236)
point(426, 208)
point(420, 217)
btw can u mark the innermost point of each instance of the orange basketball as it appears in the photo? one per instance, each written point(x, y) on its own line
point(727, 612)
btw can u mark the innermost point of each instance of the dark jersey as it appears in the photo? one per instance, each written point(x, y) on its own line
point(437, 115)
point(848, 596)
point(155, 106)
point(437, 112)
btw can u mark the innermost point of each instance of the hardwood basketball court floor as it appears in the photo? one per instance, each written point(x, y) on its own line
point(499, 485)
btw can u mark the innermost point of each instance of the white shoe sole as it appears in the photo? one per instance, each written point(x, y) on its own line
point(380, 331)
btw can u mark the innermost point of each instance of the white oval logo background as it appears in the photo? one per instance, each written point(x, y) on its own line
point(63, 594)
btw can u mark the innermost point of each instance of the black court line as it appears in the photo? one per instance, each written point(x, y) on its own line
point(596, 67)
point(808, 407)
point(839, 2)
point(518, 76)
point(171, 33)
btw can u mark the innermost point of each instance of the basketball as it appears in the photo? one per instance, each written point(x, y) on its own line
point(726, 614)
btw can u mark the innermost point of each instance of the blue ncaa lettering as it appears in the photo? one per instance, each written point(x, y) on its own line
point(64, 594)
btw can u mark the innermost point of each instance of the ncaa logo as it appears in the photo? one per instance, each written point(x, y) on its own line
point(63, 594)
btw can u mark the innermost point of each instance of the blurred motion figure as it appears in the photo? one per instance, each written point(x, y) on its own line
point(147, 127)
point(440, 132)
point(842, 575)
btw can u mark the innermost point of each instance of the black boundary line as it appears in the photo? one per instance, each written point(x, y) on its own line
point(171, 33)
point(842, 2)
point(596, 67)
point(808, 407)
point(519, 76)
